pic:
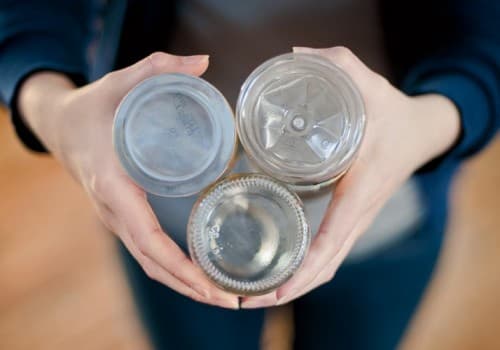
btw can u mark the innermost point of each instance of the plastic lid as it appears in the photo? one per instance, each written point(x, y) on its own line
point(300, 118)
point(174, 134)
point(249, 234)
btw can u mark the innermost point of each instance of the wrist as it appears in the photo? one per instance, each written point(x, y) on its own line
point(436, 123)
point(39, 102)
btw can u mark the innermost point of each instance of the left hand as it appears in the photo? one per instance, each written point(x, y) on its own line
point(402, 134)
point(75, 124)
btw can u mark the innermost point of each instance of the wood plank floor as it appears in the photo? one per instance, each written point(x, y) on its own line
point(462, 307)
point(62, 287)
point(61, 283)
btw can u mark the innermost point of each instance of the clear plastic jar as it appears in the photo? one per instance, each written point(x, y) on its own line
point(174, 135)
point(301, 120)
point(248, 233)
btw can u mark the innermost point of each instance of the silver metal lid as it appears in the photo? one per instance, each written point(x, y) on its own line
point(300, 118)
point(174, 134)
point(248, 233)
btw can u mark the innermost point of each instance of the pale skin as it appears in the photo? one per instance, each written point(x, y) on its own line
point(75, 124)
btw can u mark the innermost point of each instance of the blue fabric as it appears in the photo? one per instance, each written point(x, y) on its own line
point(369, 304)
point(107, 39)
point(366, 306)
point(40, 35)
point(176, 322)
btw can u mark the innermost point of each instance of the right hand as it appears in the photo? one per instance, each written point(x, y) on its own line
point(75, 124)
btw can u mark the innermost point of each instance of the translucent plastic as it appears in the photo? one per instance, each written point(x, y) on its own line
point(248, 233)
point(174, 134)
point(300, 119)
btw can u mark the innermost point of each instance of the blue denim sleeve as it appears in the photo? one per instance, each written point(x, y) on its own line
point(40, 35)
point(451, 48)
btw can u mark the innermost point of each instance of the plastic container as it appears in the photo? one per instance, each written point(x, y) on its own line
point(174, 135)
point(301, 120)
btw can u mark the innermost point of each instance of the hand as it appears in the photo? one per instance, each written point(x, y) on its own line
point(75, 124)
point(403, 133)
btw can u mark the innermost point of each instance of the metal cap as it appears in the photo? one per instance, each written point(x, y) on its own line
point(174, 134)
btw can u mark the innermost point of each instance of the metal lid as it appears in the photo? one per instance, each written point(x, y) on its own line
point(300, 118)
point(174, 134)
point(248, 233)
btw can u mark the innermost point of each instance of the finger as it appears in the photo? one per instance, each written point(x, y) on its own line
point(153, 270)
point(121, 81)
point(328, 241)
point(314, 262)
point(105, 214)
point(341, 56)
point(344, 212)
point(324, 276)
point(269, 299)
point(304, 281)
point(157, 273)
point(330, 253)
point(130, 204)
point(177, 263)
point(354, 206)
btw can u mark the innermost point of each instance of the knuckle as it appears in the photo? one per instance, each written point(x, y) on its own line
point(150, 271)
point(329, 276)
point(342, 55)
point(109, 78)
point(100, 186)
point(176, 274)
point(182, 260)
point(195, 296)
point(140, 242)
point(157, 230)
point(136, 190)
point(158, 60)
point(325, 279)
point(342, 50)
point(322, 233)
point(381, 90)
point(125, 182)
point(330, 272)
point(381, 83)
point(157, 56)
point(101, 182)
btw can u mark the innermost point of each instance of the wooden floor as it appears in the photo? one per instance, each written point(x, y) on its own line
point(61, 285)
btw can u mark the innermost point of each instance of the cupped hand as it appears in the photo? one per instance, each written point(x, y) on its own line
point(402, 134)
point(75, 124)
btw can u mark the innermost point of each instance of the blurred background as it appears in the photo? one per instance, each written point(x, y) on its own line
point(62, 287)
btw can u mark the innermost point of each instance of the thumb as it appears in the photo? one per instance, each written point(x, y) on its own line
point(121, 81)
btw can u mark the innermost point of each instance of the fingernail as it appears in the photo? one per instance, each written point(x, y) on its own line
point(200, 290)
point(230, 304)
point(251, 304)
point(282, 301)
point(196, 59)
point(260, 301)
point(302, 49)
